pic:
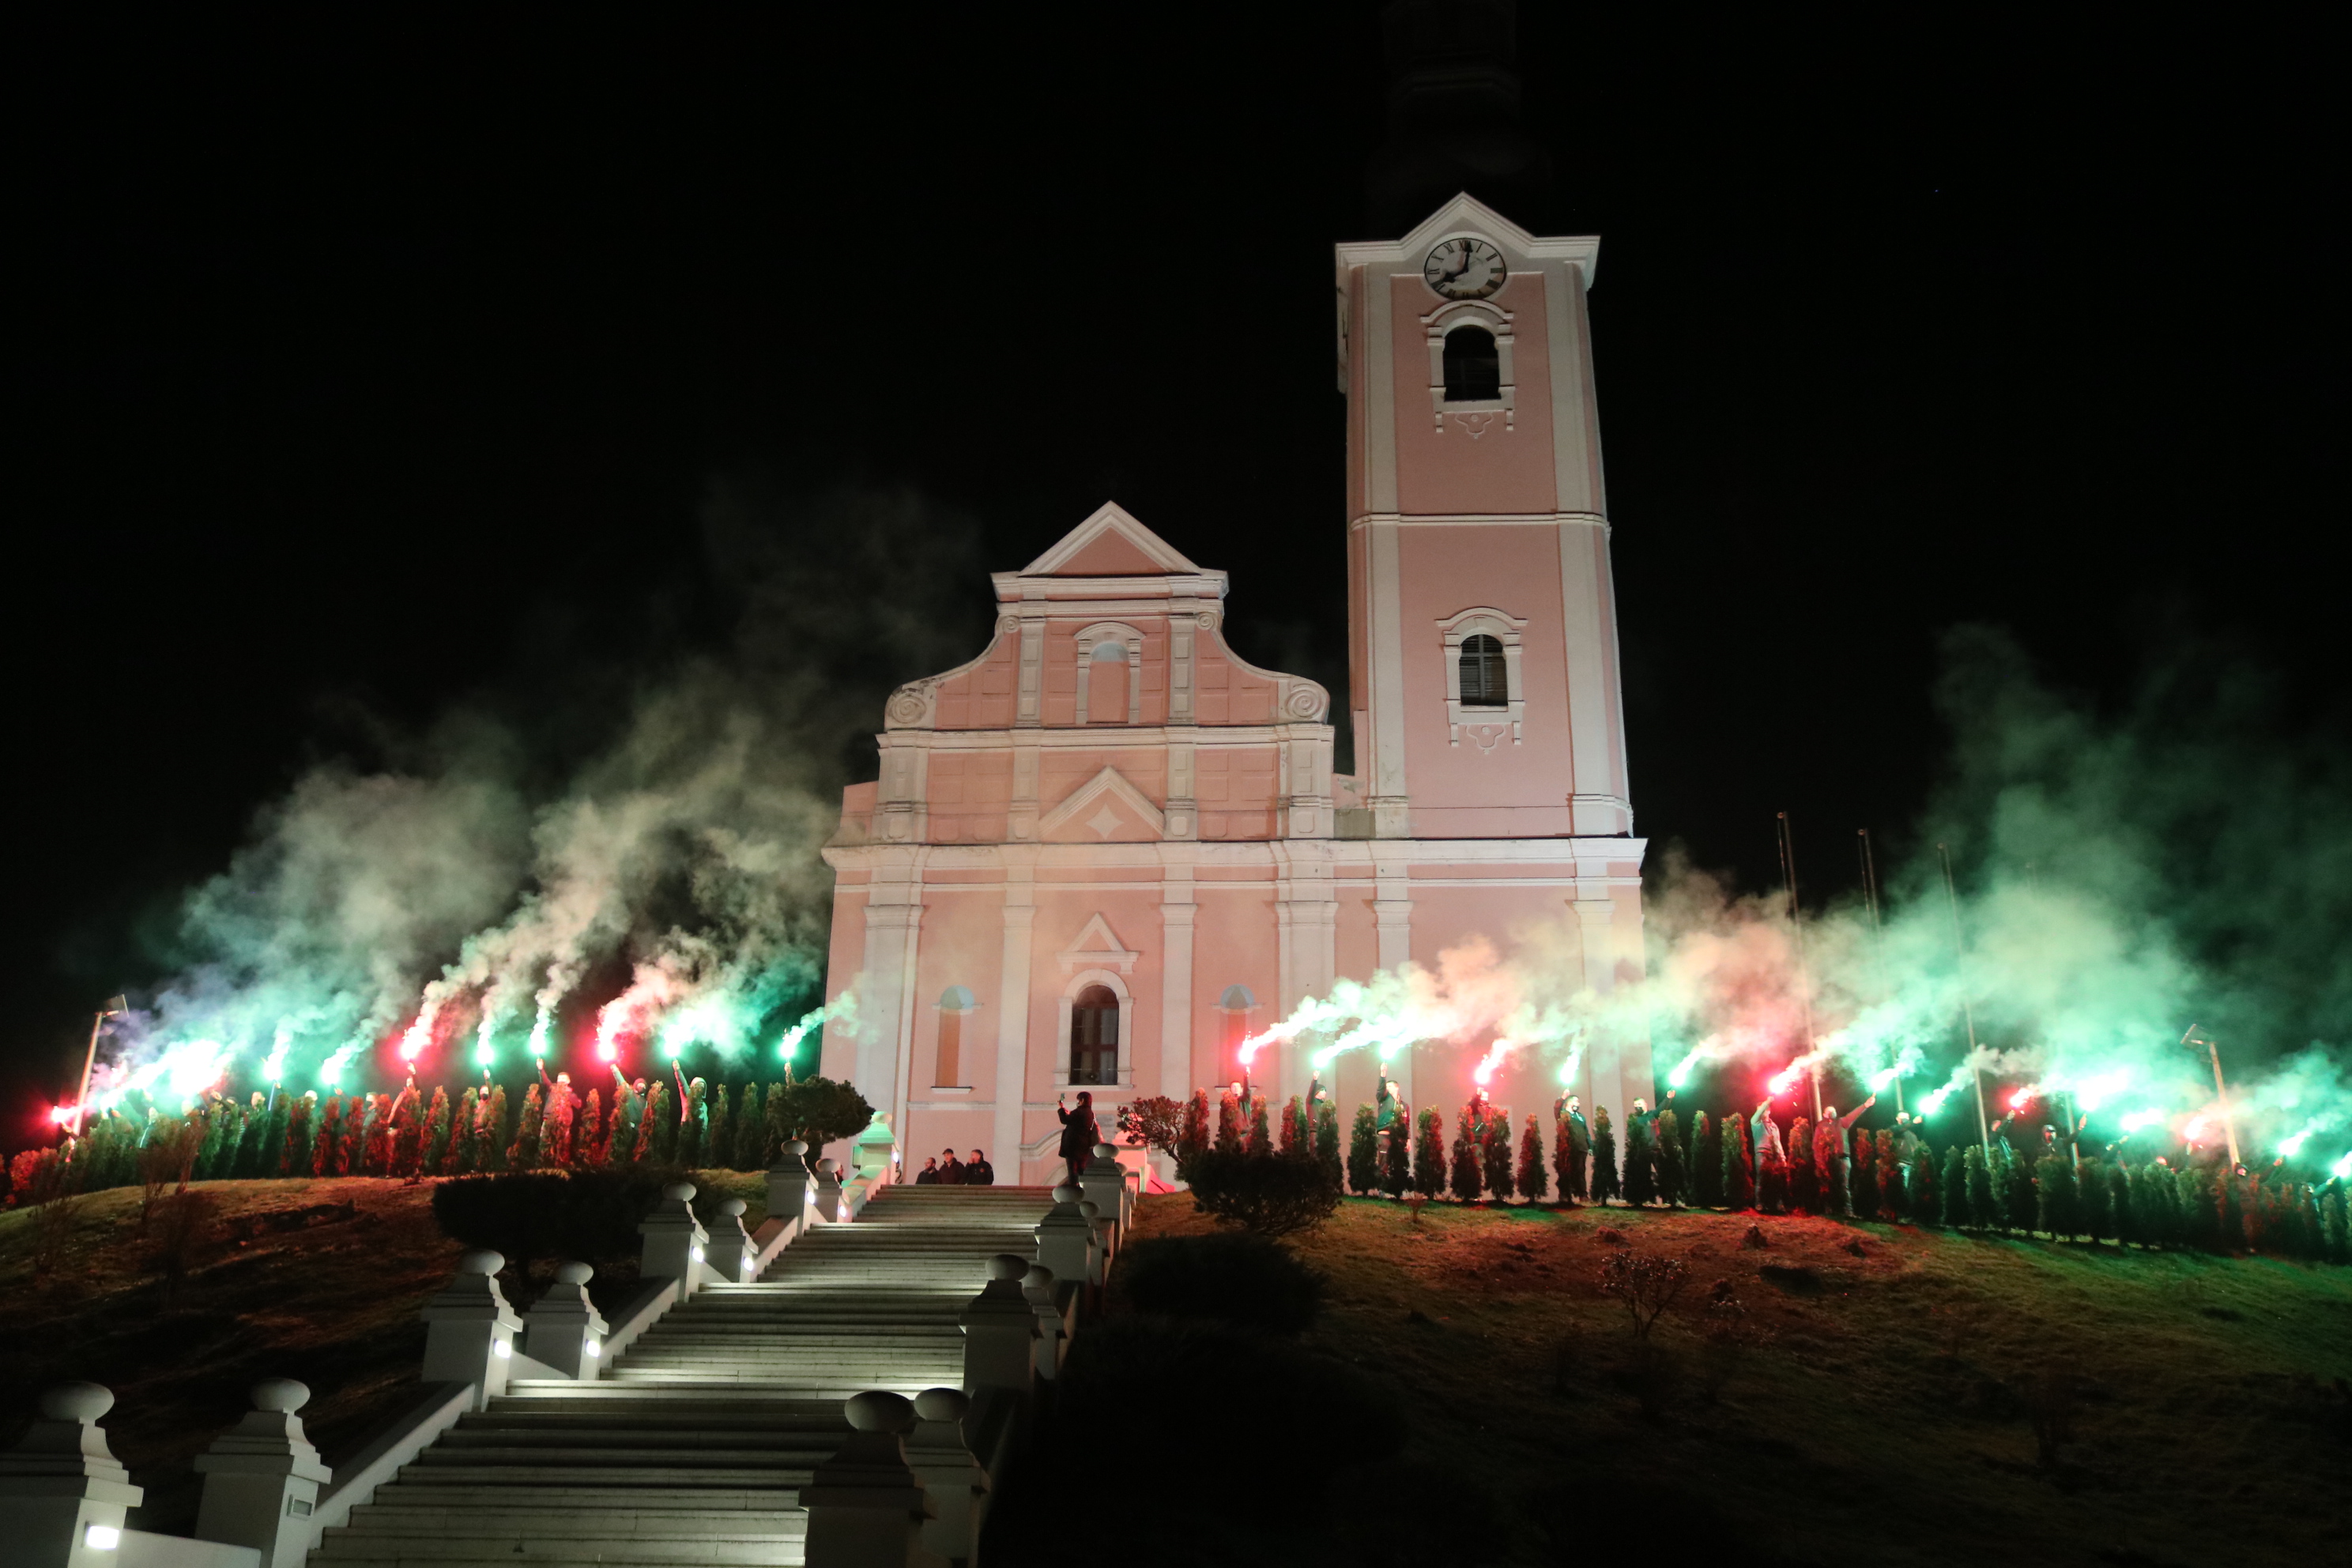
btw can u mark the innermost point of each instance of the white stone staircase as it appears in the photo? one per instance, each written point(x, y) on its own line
point(693, 1447)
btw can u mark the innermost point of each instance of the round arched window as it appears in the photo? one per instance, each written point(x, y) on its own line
point(1094, 1036)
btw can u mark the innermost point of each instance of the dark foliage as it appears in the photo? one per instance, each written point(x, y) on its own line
point(590, 1215)
point(1245, 1281)
point(1265, 1194)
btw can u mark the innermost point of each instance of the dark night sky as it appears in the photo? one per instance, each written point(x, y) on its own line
point(364, 371)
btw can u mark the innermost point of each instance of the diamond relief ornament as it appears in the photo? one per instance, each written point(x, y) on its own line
point(1104, 821)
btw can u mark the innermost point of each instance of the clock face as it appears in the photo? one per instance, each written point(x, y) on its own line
point(1465, 269)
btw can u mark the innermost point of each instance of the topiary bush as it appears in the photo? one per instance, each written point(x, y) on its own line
point(1263, 1193)
point(1245, 1281)
point(590, 1215)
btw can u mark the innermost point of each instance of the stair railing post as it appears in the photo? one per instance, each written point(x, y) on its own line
point(262, 1478)
point(1064, 1236)
point(825, 1202)
point(469, 1330)
point(673, 1243)
point(789, 1186)
point(564, 1328)
point(64, 1493)
point(954, 1483)
point(730, 1243)
point(1104, 1185)
point(1044, 1301)
point(1000, 1331)
point(865, 1506)
point(874, 1156)
point(1099, 1234)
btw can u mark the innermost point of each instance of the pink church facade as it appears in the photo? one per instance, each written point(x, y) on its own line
point(1108, 849)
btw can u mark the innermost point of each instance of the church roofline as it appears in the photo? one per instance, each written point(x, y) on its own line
point(1466, 212)
point(1048, 577)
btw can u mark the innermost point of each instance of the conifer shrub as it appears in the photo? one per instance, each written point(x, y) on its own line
point(2024, 1207)
point(592, 1143)
point(2054, 1191)
point(1291, 1145)
point(1984, 1205)
point(1530, 1179)
point(1672, 1189)
point(1364, 1153)
point(2200, 1213)
point(2233, 1215)
point(2335, 1223)
point(495, 1130)
point(1605, 1185)
point(1229, 1122)
point(646, 1150)
point(1194, 1136)
point(327, 1154)
point(718, 1135)
point(247, 1159)
point(1739, 1164)
point(1865, 1180)
point(1819, 1150)
point(1806, 1189)
point(1245, 1280)
point(752, 1149)
point(1429, 1155)
point(526, 1153)
point(1327, 1139)
point(1921, 1199)
point(1495, 1154)
point(1641, 1179)
point(407, 1134)
point(1261, 1137)
point(1396, 1163)
point(1892, 1204)
point(300, 1144)
point(1707, 1161)
point(1268, 1194)
point(693, 1127)
point(2095, 1200)
point(1571, 1158)
point(374, 1155)
point(1462, 1173)
point(436, 1131)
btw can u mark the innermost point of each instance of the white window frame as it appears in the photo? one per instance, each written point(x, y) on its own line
point(1090, 639)
point(1118, 987)
point(1471, 313)
point(959, 1000)
point(1484, 723)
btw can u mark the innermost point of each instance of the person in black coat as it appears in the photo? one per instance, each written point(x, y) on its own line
point(1079, 1134)
point(928, 1176)
point(950, 1173)
point(977, 1172)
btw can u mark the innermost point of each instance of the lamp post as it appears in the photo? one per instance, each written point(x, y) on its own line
point(1796, 934)
point(1877, 939)
point(1968, 1012)
point(115, 1007)
point(2192, 1039)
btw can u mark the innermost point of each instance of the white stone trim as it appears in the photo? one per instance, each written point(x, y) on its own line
point(1128, 638)
point(1496, 320)
point(1118, 987)
point(1480, 520)
point(1468, 216)
point(1115, 951)
point(1485, 727)
point(1243, 854)
point(1109, 782)
point(1109, 518)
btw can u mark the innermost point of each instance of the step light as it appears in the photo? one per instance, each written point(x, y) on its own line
point(101, 1537)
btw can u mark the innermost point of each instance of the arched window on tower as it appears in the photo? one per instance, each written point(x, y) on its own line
point(1473, 367)
point(1485, 681)
point(1094, 1036)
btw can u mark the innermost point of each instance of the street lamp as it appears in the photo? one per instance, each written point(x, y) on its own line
point(2193, 1040)
point(115, 1007)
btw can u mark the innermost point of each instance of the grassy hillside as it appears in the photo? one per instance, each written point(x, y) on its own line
point(1883, 1410)
point(321, 1280)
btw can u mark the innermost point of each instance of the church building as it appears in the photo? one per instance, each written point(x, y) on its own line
point(1108, 849)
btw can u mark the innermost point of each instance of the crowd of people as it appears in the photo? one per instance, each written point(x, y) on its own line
point(2059, 1183)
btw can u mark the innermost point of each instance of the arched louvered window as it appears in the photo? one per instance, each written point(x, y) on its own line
point(1094, 1036)
point(955, 1003)
point(1473, 368)
point(1485, 683)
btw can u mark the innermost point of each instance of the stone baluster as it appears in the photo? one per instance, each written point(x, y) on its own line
point(731, 1251)
point(1099, 1234)
point(825, 1201)
point(63, 1493)
point(564, 1330)
point(1000, 1331)
point(469, 1330)
point(262, 1478)
point(954, 1483)
point(874, 1156)
point(1043, 1296)
point(789, 1186)
point(674, 1241)
point(865, 1506)
point(1064, 1236)
point(1106, 1184)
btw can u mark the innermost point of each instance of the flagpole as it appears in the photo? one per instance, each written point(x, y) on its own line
point(115, 1007)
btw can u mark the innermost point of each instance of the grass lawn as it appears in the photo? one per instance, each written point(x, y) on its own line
point(1886, 1413)
point(333, 1300)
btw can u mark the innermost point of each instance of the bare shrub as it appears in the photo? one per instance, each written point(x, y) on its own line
point(1731, 1332)
point(1645, 1285)
point(167, 1157)
point(2051, 1400)
point(184, 1223)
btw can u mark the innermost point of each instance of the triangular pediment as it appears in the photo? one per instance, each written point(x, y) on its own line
point(1097, 947)
point(1105, 809)
point(1110, 544)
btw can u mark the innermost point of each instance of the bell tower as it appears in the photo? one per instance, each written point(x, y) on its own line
point(1482, 619)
